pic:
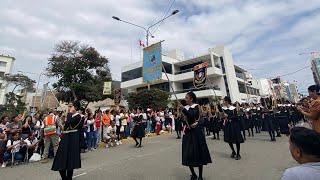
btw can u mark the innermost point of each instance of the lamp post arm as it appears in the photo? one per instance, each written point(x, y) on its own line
point(133, 24)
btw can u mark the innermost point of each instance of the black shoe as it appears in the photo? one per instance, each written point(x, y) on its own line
point(214, 138)
point(137, 144)
point(140, 146)
point(193, 177)
point(233, 155)
point(218, 138)
point(200, 178)
point(238, 157)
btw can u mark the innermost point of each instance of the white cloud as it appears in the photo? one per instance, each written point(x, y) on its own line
point(263, 34)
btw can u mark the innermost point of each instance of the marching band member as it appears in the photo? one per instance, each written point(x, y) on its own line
point(138, 129)
point(195, 152)
point(68, 154)
point(232, 131)
point(215, 123)
point(267, 116)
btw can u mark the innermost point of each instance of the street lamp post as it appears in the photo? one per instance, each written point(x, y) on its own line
point(146, 29)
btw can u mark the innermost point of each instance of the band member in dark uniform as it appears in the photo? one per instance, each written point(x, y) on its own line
point(240, 114)
point(232, 131)
point(138, 129)
point(68, 154)
point(195, 152)
point(268, 117)
point(249, 124)
point(215, 123)
point(178, 123)
point(283, 120)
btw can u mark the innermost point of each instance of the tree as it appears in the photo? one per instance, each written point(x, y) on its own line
point(19, 80)
point(14, 103)
point(81, 72)
point(153, 98)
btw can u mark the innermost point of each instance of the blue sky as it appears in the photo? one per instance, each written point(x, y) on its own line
point(265, 36)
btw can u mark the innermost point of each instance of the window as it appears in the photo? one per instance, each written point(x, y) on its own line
point(242, 88)
point(187, 85)
point(132, 74)
point(162, 86)
point(168, 67)
point(1, 74)
point(3, 64)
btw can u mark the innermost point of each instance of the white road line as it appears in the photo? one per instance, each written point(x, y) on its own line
point(79, 175)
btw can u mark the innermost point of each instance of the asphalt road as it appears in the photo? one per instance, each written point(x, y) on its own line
point(160, 158)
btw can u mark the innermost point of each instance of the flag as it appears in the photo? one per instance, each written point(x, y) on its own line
point(141, 43)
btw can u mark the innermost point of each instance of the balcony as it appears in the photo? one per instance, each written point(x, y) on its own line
point(200, 92)
point(188, 74)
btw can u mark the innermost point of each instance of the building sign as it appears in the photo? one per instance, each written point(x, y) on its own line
point(152, 63)
point(200, 75)
point(107, 88)
point(117, 96)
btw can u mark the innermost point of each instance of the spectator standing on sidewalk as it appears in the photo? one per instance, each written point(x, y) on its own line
point(98, 123)
point(50, 135)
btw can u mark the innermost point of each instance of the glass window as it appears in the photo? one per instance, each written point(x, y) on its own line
point(242, 88)
point(168, 67)
point(1, 74)
point(3, 64)
point(132, 74)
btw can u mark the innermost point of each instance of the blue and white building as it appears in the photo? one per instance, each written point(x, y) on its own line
point(224, 77)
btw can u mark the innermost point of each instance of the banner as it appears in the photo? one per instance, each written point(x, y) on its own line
point(117, 96)
point(200, 75)
point(107, 88)
point(152, 63)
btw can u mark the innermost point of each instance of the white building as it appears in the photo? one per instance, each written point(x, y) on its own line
point(292, 92)
point(266, 87)
point(224, 78)
point(6, 64)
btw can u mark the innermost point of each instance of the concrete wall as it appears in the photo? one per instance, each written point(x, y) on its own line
point(7, 70)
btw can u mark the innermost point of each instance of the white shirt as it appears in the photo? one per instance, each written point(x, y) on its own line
point(144, 115)
point(308, 171)
point(111, 130)
point(30, 143)
point(16, 145)
point(90, 122)
point(118, 120)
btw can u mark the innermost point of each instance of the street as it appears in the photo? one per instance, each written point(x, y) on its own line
point(160, 158)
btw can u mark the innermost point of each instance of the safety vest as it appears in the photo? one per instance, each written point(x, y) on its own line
point(50, 125)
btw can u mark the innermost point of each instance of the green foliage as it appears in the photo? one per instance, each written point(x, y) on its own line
point(153, 98)
point(14, 104)
point(81, 72)
point(19, 80)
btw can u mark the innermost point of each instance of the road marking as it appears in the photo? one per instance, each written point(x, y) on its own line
point(79, 175)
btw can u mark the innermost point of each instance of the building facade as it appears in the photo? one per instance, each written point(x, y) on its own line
point(223, 77)
point(315, 67)
point(6, 66)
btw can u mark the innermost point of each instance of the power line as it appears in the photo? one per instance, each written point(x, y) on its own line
point(166, 13)
point(295, 71)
